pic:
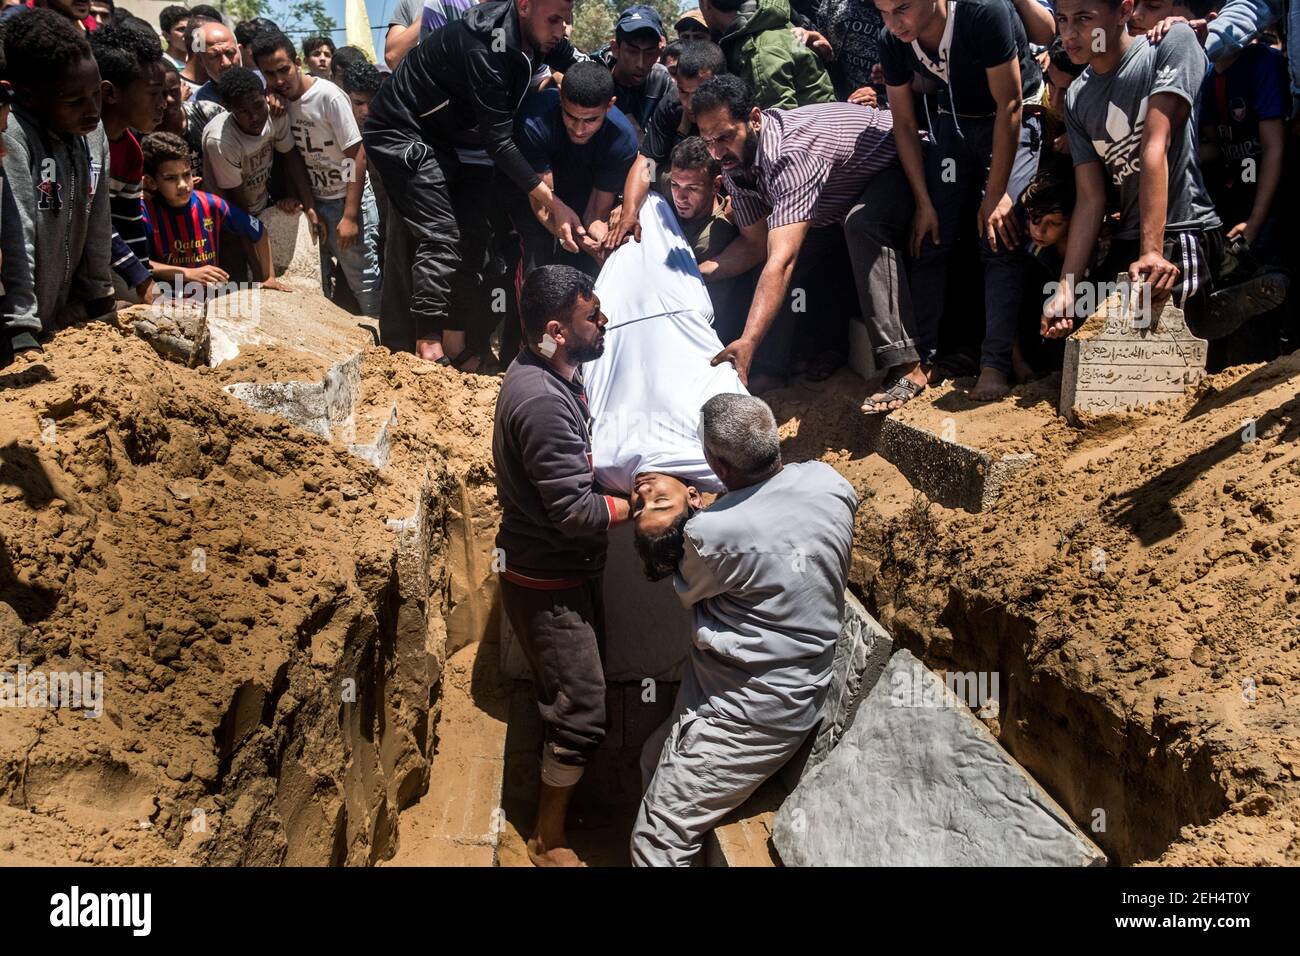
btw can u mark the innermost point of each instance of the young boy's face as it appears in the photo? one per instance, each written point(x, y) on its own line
point(1058, 81)
point(178, 43)
point(1147, 13)
point(905, 19)
point(360, 106)
point(250, 113)
point(171, 182)
point(318, 60)
point(70, 104)
point(141, 102)
point(1091, 28)
point(283, 74)
point(1049, 229)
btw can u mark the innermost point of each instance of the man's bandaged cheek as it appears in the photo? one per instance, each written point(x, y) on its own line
point(547, 345)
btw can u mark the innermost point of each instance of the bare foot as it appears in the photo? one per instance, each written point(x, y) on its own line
point(430, 350)
point(556, 856)
point(991, 386)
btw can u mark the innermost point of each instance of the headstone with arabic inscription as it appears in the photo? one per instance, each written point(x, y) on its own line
point(1126, 355)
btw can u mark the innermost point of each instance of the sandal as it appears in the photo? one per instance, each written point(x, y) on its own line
point(903, 390)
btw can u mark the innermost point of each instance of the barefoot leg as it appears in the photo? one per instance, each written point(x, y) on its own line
point(549, 846)
point(429, 349)
point(991, 386)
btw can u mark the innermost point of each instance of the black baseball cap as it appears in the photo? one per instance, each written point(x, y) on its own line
point(639, 17)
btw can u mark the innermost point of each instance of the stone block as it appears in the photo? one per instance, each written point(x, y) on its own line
point(861, 653)
point(1124, 358)
point(948, 472)
point(299, 357)
point(178, 331)
point(918, 780)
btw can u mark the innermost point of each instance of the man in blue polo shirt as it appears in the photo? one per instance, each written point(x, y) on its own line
point(583, 148)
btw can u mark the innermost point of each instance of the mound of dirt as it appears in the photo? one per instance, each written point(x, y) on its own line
point(1135, 589)
point(266, 640)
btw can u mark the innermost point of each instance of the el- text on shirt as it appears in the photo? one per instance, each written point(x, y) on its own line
point(812, 164)
point(1105, 115)
point(324, 128)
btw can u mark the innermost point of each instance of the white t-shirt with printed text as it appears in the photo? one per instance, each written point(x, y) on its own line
point(323, 128)
point(232, 158)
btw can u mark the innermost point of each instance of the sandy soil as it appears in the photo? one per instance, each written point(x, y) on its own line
point(1135, 586)
point(1139, 583)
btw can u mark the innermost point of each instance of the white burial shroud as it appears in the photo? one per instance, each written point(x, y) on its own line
point(646, 391)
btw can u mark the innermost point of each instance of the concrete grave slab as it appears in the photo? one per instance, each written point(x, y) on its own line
point(1123, 358)
point(314, 376)
point(861, 653)
point(946, 471)
point(918, 780)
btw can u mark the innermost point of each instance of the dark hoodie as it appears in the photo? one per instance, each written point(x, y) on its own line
point(460, 88)
point(57, 231)
point(554, 522)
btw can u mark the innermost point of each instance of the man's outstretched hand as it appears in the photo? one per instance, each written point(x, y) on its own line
point(553, 213)
point(1157, 32)
point(1154, 268)
point(622, 226)
point(739, 353)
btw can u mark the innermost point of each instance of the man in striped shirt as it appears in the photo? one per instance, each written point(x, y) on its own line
point(792, 176)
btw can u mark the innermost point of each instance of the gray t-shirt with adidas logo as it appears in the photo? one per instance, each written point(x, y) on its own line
point(1106, 113)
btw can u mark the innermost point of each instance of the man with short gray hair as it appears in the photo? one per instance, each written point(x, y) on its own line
point(763, 570)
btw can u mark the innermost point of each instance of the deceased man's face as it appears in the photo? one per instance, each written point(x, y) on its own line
point(659, 500)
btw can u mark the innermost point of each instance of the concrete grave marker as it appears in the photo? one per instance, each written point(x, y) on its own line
point(918, 780)
point(1124, 357)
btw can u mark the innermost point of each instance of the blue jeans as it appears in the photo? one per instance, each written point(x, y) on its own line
point(360, 261)
point(957, 166)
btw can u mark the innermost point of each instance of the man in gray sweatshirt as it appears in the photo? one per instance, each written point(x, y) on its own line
point(56, 236)
point(763, 570)
point(553, 535)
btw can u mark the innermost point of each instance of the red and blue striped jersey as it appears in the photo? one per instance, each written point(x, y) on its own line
point(190, 235)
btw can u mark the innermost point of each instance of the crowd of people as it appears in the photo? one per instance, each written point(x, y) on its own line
point(889, 162)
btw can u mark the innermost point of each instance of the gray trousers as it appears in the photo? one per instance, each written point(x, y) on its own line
point(696, 768)
point(878, 229)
